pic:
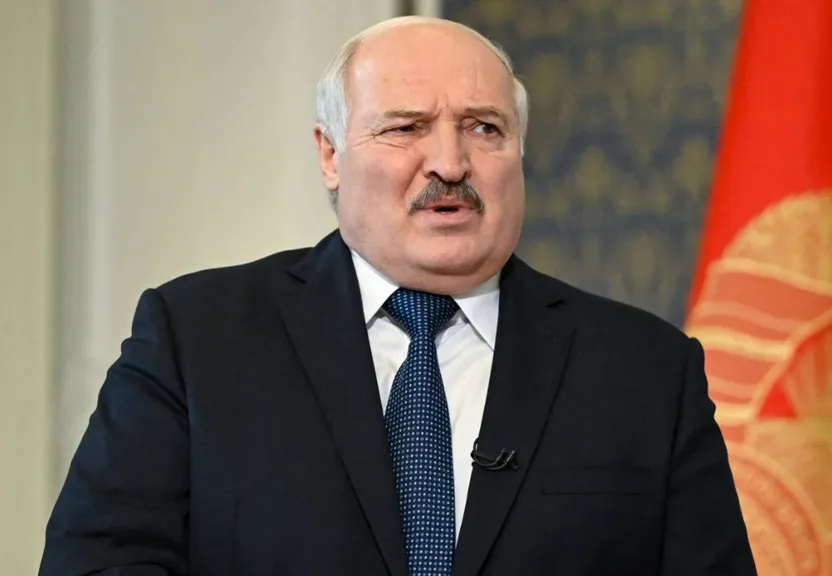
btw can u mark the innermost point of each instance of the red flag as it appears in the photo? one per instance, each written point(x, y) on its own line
point(761, 302)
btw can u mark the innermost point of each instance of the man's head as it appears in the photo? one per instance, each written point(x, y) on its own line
point(420, 138)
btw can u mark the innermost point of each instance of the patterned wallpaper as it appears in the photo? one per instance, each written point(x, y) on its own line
point(626, 100)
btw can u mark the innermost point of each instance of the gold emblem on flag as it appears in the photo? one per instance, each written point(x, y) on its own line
point(765, 321)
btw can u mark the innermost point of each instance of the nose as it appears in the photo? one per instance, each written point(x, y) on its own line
point(447, 156)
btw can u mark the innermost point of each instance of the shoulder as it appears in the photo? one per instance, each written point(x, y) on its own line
point(227, 276)
point(622, 352)
point(609, 322)
point(228, 288)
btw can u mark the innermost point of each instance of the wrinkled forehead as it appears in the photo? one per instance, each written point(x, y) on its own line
point(427, 68)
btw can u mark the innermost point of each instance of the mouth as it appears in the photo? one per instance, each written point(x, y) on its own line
point(446, 207)
point(447, 214)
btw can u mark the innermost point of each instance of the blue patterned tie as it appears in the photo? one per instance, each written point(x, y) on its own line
point(419, 434)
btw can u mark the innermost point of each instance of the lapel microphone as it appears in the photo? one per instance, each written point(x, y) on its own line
point(505, 459)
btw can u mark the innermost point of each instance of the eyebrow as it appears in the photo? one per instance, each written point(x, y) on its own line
point(403, 113)
point(485, 112)
point(479, 111)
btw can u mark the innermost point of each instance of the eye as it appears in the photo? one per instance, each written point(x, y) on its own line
point(486, 128)
point(404, 129)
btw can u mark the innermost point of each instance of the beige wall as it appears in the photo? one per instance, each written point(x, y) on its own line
point(26, 234)
point(185, 143)
point(139, 140)
point(182, 140)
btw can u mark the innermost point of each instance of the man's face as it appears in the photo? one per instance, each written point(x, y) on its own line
point(429, 182)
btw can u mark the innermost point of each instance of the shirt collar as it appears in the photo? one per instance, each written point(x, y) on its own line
point(480, 306)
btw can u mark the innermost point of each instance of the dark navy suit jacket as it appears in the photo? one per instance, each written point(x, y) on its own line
point(240, 432)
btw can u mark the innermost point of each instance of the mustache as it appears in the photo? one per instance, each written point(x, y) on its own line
point(437, 190)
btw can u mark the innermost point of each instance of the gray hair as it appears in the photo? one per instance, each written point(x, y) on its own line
point(332, 107)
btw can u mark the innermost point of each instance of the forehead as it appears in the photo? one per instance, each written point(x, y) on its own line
point(426, 67)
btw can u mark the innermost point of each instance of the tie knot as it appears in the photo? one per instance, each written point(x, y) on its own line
point(420, 313)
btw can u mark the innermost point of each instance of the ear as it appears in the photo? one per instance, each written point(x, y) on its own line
point(328, 157)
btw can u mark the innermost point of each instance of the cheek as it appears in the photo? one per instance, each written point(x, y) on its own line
point(504, 191)
point(387, 178)
point(375, 194)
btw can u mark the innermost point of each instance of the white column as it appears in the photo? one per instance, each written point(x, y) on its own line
point(429, 7)
point(186, 143)
point(26, 258)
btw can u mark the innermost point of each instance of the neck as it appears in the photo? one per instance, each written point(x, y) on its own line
point(441, 284)
point(431, 280)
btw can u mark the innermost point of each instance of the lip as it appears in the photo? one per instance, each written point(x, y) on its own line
point(461, 215)
point(445, 204)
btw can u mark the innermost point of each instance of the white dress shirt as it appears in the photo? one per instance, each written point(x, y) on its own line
point(465, 349)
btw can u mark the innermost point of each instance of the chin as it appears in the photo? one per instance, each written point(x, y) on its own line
point(450, 260)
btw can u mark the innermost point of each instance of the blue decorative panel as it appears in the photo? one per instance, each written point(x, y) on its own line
point(626, 101)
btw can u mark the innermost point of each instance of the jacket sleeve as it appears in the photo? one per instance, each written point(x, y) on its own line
point(704, 528)
point(123, 509)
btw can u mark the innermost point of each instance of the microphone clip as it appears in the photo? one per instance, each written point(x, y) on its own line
point(504, 460)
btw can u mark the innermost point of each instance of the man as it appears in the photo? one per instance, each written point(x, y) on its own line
point(407, 397)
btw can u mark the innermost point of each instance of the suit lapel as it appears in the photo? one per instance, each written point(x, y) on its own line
point(534, 336)
point(323, 314)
